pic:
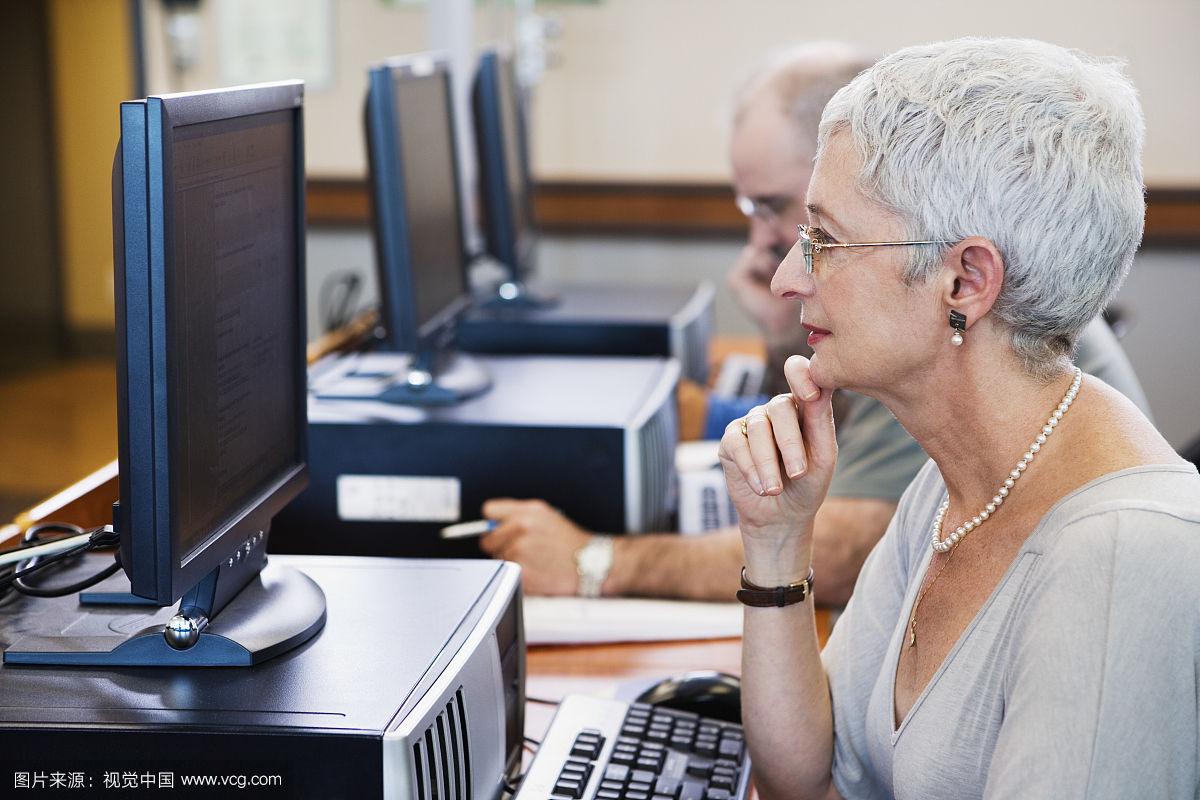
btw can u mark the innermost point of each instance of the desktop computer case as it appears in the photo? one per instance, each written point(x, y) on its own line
point(595, 437)
point(603, 319)
point(413, 690)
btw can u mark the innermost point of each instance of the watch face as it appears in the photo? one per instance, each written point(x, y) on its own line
point(595, 558)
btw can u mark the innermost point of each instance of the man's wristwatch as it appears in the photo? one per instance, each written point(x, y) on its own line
point(592, 562)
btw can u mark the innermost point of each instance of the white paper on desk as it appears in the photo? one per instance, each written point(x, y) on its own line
point(576, 620)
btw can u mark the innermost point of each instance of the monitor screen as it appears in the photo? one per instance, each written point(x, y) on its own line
point(211, 372)
point(231, 334)
point(504, 170)
point(416, 204)
point(418, 225)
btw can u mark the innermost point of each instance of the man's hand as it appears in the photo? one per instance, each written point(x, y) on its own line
point(750, 282)
point(540, 539)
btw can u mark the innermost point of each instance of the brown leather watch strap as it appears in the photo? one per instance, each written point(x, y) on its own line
point(778, 596)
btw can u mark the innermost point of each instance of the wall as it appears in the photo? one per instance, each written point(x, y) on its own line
point(29, 306)
point(642, 85)
point(639, 87)
point(91, 73)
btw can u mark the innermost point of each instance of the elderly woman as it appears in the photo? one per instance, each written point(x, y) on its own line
point(1028, 626)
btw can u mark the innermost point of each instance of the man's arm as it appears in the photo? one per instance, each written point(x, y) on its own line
point(708, 566)
point(696, 567)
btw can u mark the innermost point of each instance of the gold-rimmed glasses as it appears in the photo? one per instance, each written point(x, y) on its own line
point(813, 240)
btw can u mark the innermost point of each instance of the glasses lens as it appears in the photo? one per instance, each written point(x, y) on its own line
point(806, 248)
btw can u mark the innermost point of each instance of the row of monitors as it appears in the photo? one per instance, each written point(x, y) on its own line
point(209, 272)
point(212, 376)
point(208, 201)
point(415, 189)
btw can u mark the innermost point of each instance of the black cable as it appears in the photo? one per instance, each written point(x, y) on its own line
point(30, 539)
point(69, 589)
point(100, 538)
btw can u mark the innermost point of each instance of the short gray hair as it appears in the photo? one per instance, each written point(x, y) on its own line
point(1032, 146)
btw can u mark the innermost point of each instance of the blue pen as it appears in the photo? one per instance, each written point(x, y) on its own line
point(461, 530)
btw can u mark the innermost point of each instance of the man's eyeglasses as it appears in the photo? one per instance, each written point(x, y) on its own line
point(814, 240)
point(768, 209)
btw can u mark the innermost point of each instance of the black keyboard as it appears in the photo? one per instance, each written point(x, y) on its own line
point(601, 749)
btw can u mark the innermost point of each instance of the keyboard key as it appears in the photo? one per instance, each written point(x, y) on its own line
point(721, 781)
point(568, 788)
point(642, 776)
point(730, 748)
point(667, 786)
point(588, 744)
point(616, 772)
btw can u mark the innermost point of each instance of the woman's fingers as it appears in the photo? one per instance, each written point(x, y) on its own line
point(816, 412)
point(767, 438)
point(789, 439)
point(735, 448)
point(760, 436)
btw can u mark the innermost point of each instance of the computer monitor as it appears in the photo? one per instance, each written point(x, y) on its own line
point(504, 180)
point(208, 207)
point(418, 228)
point(521, 314)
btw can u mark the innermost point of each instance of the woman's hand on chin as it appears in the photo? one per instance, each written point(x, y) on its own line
point(779, 459)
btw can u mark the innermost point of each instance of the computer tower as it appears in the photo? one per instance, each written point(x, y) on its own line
point(593, 436)
point(602, 319)
point(414, 689)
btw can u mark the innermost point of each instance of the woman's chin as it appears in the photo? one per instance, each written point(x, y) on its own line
point(823, 377)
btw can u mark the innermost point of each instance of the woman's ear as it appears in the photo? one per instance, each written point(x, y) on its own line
point(973, 279)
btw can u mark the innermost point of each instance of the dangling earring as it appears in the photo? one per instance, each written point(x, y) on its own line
point(959, 323)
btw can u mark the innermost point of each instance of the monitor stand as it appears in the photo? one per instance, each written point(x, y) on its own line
point(397, 378)
point(279, 609)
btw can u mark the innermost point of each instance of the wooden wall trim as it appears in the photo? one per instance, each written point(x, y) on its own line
point(1172, 215)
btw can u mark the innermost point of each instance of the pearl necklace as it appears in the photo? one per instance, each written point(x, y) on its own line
point(941, 545)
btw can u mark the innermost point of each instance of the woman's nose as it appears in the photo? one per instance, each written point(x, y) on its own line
point(792, 279)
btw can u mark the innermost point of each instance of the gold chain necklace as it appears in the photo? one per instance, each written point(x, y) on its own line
point(912, 622)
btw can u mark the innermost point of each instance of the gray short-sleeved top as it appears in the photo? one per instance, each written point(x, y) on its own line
point(1079, 676)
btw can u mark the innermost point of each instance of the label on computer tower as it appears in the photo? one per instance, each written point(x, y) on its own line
point(398, 498)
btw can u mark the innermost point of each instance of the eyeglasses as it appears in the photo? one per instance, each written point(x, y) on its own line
point(814, 240)
point(768, 209)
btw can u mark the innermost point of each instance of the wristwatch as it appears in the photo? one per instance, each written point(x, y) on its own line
point(592, 562)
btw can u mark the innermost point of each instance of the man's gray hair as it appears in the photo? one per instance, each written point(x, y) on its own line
point(802, 78)
point(1032, 146)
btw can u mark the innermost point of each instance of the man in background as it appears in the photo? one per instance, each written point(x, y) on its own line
point(771, 147)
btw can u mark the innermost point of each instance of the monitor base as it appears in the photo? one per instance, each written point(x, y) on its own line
point(391, 377)
point(519, 295)
point(278, 610)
